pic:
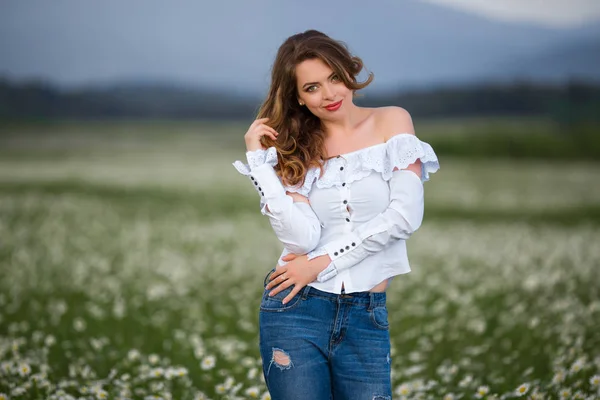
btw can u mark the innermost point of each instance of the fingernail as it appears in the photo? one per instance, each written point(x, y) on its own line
point(285, 301)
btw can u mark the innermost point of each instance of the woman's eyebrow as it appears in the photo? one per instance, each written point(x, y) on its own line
point(315, 83)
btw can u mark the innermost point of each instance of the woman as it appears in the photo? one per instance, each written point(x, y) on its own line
point(342, 186)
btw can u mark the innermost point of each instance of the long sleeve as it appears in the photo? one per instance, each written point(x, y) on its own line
point(294, 223)
point(398, 221)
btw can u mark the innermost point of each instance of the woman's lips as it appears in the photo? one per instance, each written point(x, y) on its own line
point(334, 106)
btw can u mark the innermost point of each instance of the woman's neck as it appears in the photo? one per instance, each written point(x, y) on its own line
point(345, 124)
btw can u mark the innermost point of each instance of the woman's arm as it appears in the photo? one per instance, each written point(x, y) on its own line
point(398, 221)
point(293, 220)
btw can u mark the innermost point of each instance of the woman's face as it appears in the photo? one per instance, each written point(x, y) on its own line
point(321, 90)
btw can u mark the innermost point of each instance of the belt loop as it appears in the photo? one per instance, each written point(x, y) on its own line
point(371, 301)
point(305, 292)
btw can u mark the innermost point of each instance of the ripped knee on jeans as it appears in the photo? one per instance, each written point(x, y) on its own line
point(281, 359)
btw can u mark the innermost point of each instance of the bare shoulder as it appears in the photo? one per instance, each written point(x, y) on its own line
point(393, 120)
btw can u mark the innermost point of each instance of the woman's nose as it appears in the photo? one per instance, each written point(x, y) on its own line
point(328, 92)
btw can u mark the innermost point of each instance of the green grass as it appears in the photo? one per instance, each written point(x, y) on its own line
point(124, 264)
point(476, 137)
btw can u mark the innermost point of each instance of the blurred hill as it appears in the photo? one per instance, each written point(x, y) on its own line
point(407, 44)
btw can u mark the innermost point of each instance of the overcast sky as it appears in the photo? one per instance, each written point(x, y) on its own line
point(233, 42)
point(555, 13)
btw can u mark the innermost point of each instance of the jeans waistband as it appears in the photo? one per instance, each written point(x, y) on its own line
point(372, 299)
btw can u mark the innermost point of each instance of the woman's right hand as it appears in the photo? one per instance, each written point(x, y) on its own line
point(289, 257)
point(257, 130)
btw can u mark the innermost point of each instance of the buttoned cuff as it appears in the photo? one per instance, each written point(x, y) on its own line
point(327, 273)
point(343, 246)
point(268, 184)
point(257, 169)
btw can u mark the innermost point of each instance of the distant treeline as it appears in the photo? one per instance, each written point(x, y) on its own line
point(568, 104)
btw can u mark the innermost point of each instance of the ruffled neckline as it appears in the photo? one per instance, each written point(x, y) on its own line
point(399, 151)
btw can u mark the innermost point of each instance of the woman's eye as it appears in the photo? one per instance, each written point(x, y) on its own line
point(335, 78)
point(311, 88)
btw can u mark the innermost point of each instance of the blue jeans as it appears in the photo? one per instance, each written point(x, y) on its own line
point(323, 346)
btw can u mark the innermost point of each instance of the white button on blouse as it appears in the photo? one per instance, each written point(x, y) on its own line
point(362, 209)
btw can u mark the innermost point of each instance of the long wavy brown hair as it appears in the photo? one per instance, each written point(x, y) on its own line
point(300, 144)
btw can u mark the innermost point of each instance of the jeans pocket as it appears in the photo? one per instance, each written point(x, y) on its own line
point(266, 280)
point(379, 317)
point(275, 303)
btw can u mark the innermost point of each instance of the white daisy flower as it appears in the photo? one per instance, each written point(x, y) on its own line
point(6, 366)
point(578, 395)
point(200, 396)
point(565, 393)
point(252, 392)
point(49, 341)
point(521, 390)
point(220, 389)
point(247, 362)
point(133, 355)
point(466, 381)
point(157, 386)
point(153, 359)
point(595, 380)
point(79, 324)
point(266, 396)
point(3, 396)
point(199, 352)
point(403, 390)
point(24, 369)
point(482, 391)
point(578, 365)
point(559, 377)
point(208, 362)
point(43, 383)
point(229, 381)
point(170, 373)
point(252, 373)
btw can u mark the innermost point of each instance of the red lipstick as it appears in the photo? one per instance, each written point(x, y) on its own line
point(334, 106)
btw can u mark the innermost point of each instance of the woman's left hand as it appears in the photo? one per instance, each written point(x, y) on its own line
point(299, 271)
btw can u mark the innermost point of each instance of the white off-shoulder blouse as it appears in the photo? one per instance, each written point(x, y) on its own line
point(362, 210)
